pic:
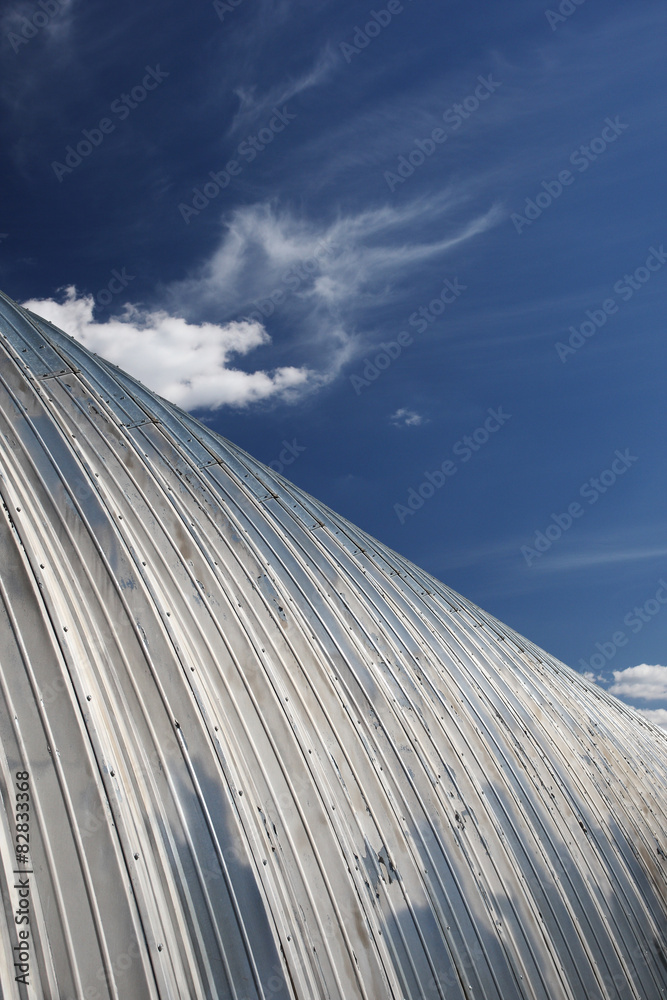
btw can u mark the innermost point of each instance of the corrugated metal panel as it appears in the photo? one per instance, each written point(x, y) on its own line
point(269, 757)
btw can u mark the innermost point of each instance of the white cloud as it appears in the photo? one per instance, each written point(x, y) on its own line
point(58, 21)
point(584, 558)
point(406, 418)
point(355, 261)
point(648, 683)
point(658, 716)
point(253, 106)
point(260, 242)
point(184, 362)
point(313, 285)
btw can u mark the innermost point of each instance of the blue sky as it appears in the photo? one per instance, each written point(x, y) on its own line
point(248, 204)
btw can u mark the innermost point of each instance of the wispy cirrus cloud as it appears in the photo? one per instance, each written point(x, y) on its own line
point(253, 104)
point(372, 250)
point(20, 26)
point(591, 558)
point(302, 291)
point(324, 278)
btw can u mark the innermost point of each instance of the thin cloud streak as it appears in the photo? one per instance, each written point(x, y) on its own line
point(253, 106)
point(184, 355)
point(585, 560)
point(357, 262)
point(259, 241)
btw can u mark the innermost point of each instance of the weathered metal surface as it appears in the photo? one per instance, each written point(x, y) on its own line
point(268, 757)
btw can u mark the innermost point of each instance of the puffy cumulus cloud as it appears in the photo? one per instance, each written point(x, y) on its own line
point(593, 678)
point(186, 363)
point(658, 716)
point(648, 683)
point(406, 418)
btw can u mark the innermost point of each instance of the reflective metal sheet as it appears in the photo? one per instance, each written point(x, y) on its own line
point(270, 758)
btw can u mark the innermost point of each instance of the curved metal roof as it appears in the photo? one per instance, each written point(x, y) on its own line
point(270, 758)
